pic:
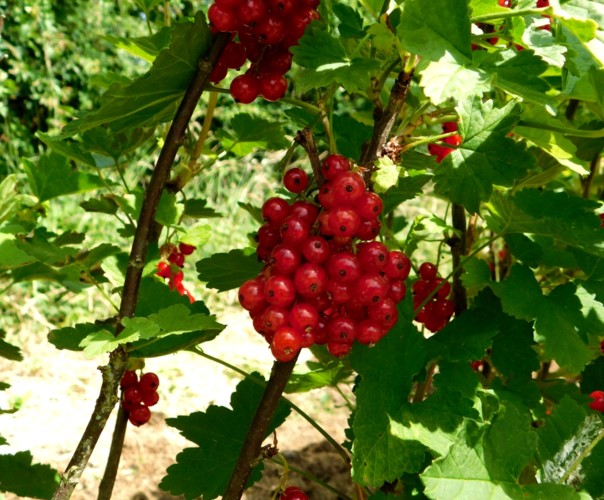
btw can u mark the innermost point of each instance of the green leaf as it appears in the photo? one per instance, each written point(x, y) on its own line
point(219, 433)
point(152, 98)
point(70, 338)
point(145, 47)
point(444, 79)
point(100, 342)
point(178, 319)
point(317, 376)
point(19, 475)
point(568, 432)
point(169, 211)
point(350, 135)
point(520, 294)
point(197, 235)
point(52, 176)
point(198, 209)
point(351, 22)
point(408, 188)
point(9, 201)
point(592, 470)
point(225, 271)
point(425, 31)
point(386, 175)
point(486, 158)
point(69, 149)
point(249, 132)
point(39, 246)
point(559, 215)
point(9, 351)
point(105, 205)
point(512, 352)
point(386, 373)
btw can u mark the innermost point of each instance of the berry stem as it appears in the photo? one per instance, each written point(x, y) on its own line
point(114, 370)
point(384, 120)
point(508, 13)
point(253, 441)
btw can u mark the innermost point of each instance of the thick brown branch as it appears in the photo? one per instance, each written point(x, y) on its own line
point(458, 251)
point(257, 431)
point(385, 120)
point(113, 372)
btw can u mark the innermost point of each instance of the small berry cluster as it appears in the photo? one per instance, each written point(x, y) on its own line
point(454, 140)
point(437, 310)
point(598, 401)
point(293, 493)
point(171, 267)
point(139, 395)
point(321, 285)
point(540, 5)
point(266, 29)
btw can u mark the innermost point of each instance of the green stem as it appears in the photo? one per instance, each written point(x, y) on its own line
point(590, 134)
point(425, 140)
point(197, 350)
point(314, 479)
point(509, 13)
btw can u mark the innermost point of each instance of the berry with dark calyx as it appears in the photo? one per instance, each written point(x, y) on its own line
point(251, 294)
point(339, 292)
point(268, 236)
point(294, 230)
point(129, 379)
point(303, 317)
point(385, 313)
point(223, 18)
point(373, 255)
point(285, 259)
point(398, 265)
point(252, 11)
point(427, 271)
point(310, 280)
point(133, 394)
point(245, 88)
point(316, 249)
point(295, 180)
point(274, 211)
point(326, 196)
point(369, 229)
point(348, 188)
point(139, 416)
point(333, 165)
point(341, 329)
point(279, 291)
point(286, 344)
point(344, 221)
point(149, 382)
point(305, 210)
point(273, 86)
point(270, 30)
point(371, 288)
point(338, 349)
point(344, 267)
point(369, 332)
point(370, 206)
point(273, 318)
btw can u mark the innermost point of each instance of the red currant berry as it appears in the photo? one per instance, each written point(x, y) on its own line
point(163, 270)
point(295, 180)
point(251, 294)
point(310, 280)
point(373, 256)
point(369, 332)
point(597, 395)
point(451, 126)
point(186, 249)
point(149, 382)
point(133, 395)
point(252, 11)
point(344, 267)
point(233, 55)
point(293, 493)
point(223, 18)
point(285, 259)
point(268, 237)
point(339, 292)
point(245, 88)
point(295, 230)
point(371, 288)
point(270, 30)
point(385, 313)
point(597, 405)
point(274, 211)
point(150, 398)
point(176, 258)
point(304, 317)
point(398, 266)
point(369, 229)
point(274, 318)
point(219, 72)
point(282, 7)
point(428, 271)
point(348, 189)
point(341, 329)
point(316, 249)
point(305, 210)
point(130, 379)
point(326, 196)
point(279, 291)
point(273, 86)
point(139, 416)
point(344, 221)
point(398, 290)
point(370, 206)
point(338, 349)
point(334, 165)
point(286, 344)
point(275, 60)
point(542, 3)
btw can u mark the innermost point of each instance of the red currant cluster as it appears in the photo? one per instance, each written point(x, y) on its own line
point(598, 401)
point(454, 140)
point(436, 310)
point(139, 395)
point(321, 285)
point(171, 267)
point(265, 29)
point(293, 493)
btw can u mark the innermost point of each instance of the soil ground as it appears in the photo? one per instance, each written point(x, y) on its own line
point(56, 391)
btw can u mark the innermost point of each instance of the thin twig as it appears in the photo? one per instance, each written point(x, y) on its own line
point(115, 453)
point(253, 441)
point(306, 139)
point(114, 370)
point(458, 251)
point(593, 170)
point(384, 120)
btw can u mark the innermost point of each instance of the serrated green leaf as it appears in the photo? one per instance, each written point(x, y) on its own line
point(39, 246)
point(350, 135)
point(225, 271)
point(386, 372)
point(153, 98)
point(408, 188)
point(351, 22)
point(69, 338)
point(446, 79)
point(178, 319)
point(67, 148)
point(486, 157)
point(520, 294)
point(250, 132)
point(19, 475)
point(559, 215)
point(425, 31)
point(512, 352)
point(219, 433)
point(476, 275)
point(100, 342)
point(386, 175)
point(52, 176)
point(140, 328)
point(105, 205)
point(456, 377)
point(317, 376)
point(198, 209)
